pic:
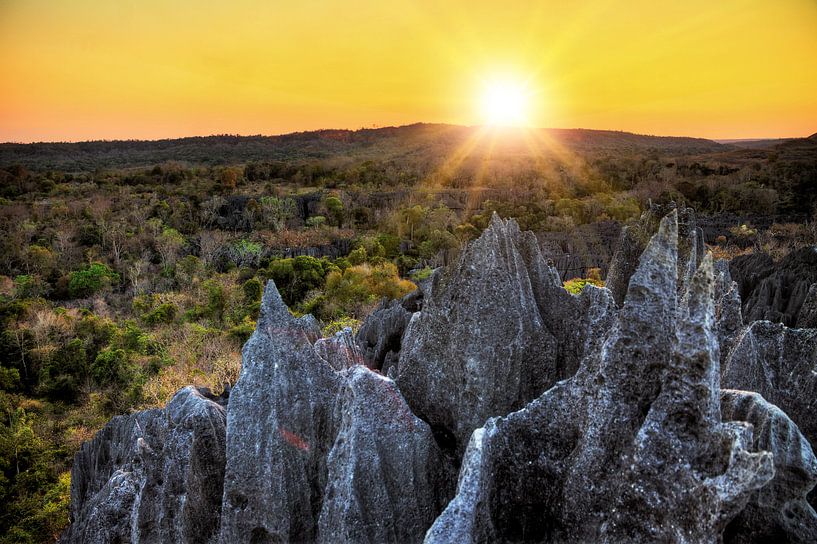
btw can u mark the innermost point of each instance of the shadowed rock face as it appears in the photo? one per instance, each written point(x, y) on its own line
point(779, 511)
point(572, 419)
point(155, 476)
point(780, 364)
point(727, 310)
point(632, 448)
point(778, 292)
point(388, 480)
point(807, 317)
point(381, 335)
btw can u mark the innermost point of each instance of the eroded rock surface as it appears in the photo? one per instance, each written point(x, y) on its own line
point(381, 335)
point(807, 316)
point(630, 449)
point(779, 511)
point(634, 238)
point(314, 454)
point(780, 364)
point(727, 309)
point(340, 350)
point(279, 431)
point(493, 335)
point(388, 480)
point(154, 476)
point(776, 291)
point(573, 418)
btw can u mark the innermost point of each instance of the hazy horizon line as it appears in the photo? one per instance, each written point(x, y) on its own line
point(383, 127)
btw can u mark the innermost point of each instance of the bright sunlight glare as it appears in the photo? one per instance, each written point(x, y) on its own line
point(505, 103)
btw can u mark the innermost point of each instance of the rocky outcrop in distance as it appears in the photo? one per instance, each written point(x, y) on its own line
point(489, 406)
point(783, 292)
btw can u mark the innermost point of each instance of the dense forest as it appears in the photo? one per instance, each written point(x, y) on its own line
point(133, 268)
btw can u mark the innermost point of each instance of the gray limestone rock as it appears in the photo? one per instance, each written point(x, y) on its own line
point(634, 238)
point(152, 477)
point(579, 420)
point(279, 431)
point(776, 291)
point(315, 454)
point(388, 480)
point(727, 309)
point(340, 350)
point(780, 364)
point(779, 511)
point(494, 334)
point(381, 335)
point(807, 316)
point(632, 447)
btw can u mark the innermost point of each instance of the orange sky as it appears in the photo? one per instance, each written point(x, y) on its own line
point(94, 69)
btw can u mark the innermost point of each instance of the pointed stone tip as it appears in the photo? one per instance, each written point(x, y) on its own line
point(669, 226)
point(502, 225)
point(657, 267)
point(272, 305)
point(499, 228)
point(706, 270)
point(496, 221)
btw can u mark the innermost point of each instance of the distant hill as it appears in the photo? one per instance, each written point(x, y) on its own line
point(329, 144)
point(754, 143)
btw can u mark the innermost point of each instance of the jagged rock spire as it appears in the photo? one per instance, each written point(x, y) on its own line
point(630, 448)
point(496, 332)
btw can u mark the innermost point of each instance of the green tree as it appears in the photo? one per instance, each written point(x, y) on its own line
point(275, 212)
point(63, 374)
point(90, 280)
point(295, 277)
point(334, 206)
point(168, 244)
point(315, 221)
point(111, 367)
point(246, 253)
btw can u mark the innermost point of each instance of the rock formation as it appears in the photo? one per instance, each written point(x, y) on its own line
point(154, 476)
point(779, 511)
point(807, 316)
point(631, 448)
point(777, 291)
point(634, 238)
point(319, 455)
point(387, 480)
point(727, 309)
point(780, 364)
point(381, 335)
point(340, 350)
point(496, 332)
point(570, 418)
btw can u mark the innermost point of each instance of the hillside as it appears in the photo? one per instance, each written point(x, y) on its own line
point(386, 142)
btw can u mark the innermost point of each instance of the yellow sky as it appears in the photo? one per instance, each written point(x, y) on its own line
point(101, 69)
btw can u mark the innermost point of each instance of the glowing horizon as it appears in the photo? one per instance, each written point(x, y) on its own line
point(91, 70)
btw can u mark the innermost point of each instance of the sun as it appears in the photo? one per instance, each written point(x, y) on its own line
point(505, 103)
